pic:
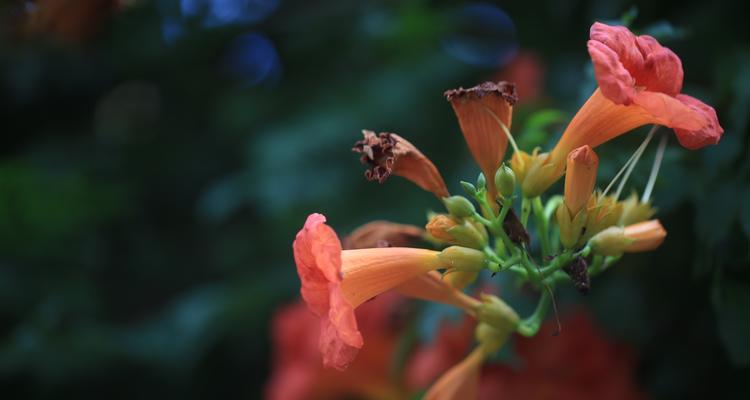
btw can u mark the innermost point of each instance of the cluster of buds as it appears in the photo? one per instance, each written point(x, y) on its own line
point(574, 237)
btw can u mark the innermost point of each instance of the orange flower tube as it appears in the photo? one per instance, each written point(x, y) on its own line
point(484, 112)
point(433, 287)
point(336, 281)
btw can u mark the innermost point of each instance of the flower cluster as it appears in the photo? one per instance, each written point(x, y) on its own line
point(575, 236)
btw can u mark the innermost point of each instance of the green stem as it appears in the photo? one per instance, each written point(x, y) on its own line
point(559, 262)
point(525, 211)
point(531, 269)
point(542, 225)
point(530, 326)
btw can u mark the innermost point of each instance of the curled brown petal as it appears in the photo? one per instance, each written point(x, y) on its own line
point(389, 154)
point(377, 233)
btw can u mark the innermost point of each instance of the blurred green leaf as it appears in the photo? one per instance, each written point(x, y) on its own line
point(732, 302)
point(536, 128)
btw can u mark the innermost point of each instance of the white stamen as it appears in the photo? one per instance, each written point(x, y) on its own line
point(634, 160)
point(655, 168)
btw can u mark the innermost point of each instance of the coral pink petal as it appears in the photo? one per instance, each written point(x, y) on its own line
point(317, 253)
point(336, 352)
point(709, 134)
point(621, 41)
point(341, 315)
point(616, 82)
point(669, 111)
point(662, 69)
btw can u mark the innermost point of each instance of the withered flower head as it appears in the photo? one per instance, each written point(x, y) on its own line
point(484, 113)
point(389, 154)
point(376, 233)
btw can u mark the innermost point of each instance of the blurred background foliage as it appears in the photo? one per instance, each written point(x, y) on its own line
point(157, 158)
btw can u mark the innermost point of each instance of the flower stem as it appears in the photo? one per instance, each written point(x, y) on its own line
point(542, 225)
point(530, 326)
point(525, 211)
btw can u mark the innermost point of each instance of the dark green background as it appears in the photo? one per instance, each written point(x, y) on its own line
point(150, 189)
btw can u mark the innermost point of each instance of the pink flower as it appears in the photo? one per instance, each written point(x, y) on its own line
point(646, 77)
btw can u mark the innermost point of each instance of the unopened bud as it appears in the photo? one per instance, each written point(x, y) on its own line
point(481, 181)
point(459, 206)
point(610, 242)
point(463, 258)
point(490, 338)
point(505, 180)
point(448, 229)
point(571, 227)
point(439, 225)
point(497, 313)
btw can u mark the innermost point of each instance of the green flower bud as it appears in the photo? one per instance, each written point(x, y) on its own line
point(470, 189)
point(459, 206)
point(463, 258)
point(505, 180)
point(481, 181)
point(571, 228)
point(497, 313)
point(490, 339)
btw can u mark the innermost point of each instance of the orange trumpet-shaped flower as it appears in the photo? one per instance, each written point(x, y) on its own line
point(390, 154)
point(484, 113)
point(336, 281)
point(580, 178)
point(643, 236)
point(382, 234)
point(639, 83)
point(461, 381)
point(433, 287)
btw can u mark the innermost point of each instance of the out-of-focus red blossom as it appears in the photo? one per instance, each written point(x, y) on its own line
point(449, 348)
point(579, 364)
point(298, 373)
point(527, 72)
point(69, 20)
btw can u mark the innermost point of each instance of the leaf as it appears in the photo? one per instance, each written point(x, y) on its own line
point(535, 132)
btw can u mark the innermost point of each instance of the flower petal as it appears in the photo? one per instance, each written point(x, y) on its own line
point(615, 81)
point(337, 353)
point(710, 133)
point(622, 42)
point(433, 287)
point(317, 253)
point(669, 111)
point(383, 234)
point(662, 69)
point(388, 153)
